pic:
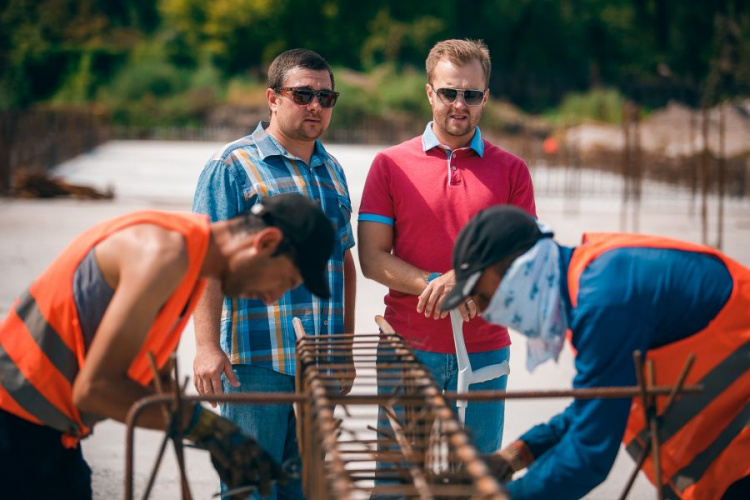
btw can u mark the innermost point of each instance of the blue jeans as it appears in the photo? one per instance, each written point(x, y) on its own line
point(484, 420)
point(273, 426)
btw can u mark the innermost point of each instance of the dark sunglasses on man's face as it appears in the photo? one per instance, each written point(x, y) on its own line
point(303, 96)
point(471, 97)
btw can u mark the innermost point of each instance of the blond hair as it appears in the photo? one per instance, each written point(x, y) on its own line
point(460, 53)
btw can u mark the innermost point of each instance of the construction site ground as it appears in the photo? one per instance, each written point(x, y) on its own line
point(163, 175)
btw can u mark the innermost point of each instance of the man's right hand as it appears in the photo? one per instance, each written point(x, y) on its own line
point(209, 364)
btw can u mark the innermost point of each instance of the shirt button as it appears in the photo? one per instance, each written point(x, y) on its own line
point(454, 167)
point(325, 322)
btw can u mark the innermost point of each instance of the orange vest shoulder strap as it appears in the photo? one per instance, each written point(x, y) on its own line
point(594, 244)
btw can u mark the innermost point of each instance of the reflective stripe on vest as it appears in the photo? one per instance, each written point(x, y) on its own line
point(692, 473)
point(34, 402)
point(685, 409)
point(47, 338)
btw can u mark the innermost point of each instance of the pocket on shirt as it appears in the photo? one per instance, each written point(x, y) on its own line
point(345, 207)
point(344, 220)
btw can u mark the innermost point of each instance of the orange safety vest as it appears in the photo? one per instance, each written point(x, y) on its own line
point(41, 341)
point(705, 439)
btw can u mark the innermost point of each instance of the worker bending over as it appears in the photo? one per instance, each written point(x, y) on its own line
point(74, 348)
point(617, 293)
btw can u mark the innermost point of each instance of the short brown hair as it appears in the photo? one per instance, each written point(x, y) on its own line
point(459, 52)
point(296, 58)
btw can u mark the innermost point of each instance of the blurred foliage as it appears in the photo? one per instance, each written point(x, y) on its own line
point(385, 92)
point(604, 105)
point(171, 59)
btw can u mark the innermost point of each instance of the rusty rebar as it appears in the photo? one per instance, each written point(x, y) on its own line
point(429, 455)
point(676, 391)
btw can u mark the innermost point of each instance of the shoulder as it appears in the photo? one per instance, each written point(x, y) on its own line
point(155, 248)
point(243, 146)
point(143, 257)
point(602, 278)
point(396, 155)
point(229, 164)
point(413, 145)
point(496, 153)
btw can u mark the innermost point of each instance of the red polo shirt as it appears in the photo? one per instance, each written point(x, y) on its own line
point(428, 194)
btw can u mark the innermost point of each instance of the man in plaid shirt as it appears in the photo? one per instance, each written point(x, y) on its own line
point(247, 345)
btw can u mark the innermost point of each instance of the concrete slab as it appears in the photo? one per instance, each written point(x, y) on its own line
point(162, 175)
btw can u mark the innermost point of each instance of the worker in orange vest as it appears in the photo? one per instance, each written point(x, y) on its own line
point(74, 348)
point(614, 294)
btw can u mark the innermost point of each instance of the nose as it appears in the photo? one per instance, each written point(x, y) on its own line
point(314, 102)
point(459, 102)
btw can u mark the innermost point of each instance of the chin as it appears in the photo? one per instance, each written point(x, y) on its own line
point(229, 291)
point(308, 133)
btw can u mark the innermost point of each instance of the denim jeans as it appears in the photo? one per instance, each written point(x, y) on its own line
point(273, 426)
point(484, 420)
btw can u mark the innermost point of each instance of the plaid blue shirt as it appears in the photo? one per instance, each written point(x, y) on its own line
point(236, 178)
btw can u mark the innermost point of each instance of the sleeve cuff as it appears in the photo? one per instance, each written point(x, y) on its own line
point(375, 218)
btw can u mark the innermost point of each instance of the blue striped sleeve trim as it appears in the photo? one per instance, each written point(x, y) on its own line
point(375, 218)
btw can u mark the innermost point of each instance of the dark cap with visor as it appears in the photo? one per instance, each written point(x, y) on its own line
point(490, 236)
point(307, 231)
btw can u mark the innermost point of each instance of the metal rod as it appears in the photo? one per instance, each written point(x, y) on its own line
point(420, 482)
point(676, 390)
point(177, 428)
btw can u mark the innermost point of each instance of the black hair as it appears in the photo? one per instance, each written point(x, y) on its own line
point(296, 58)
point(250, 223)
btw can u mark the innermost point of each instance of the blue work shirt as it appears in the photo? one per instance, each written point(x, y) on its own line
point(628, 299)
point(236, 178)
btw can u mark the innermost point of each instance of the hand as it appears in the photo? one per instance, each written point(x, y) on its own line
point(347, 378)
point(239, 459)
point(499, 467)
point(514, 457)
point(209, 364)
point(468, 309)
point(434, 293)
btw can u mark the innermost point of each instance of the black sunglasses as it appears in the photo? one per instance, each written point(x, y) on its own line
point(471, 97)
point(303, 96)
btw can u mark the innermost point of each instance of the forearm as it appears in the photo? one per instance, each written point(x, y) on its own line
point(350, 292)
point(586, 444)
point(543, 437)
point(207, 316)
point(395, 273)
point(96, 397)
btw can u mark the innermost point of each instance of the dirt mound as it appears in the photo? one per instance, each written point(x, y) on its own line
point(673, 131)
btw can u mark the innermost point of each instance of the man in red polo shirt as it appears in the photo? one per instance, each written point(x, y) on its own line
point(417, 198)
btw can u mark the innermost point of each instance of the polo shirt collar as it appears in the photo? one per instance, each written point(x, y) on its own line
point(430, 140)
point(269, 146)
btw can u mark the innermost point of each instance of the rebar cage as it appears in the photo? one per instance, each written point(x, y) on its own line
point(418, 449)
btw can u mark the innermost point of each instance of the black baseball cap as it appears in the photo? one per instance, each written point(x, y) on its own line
point(307, 231)
point(489, 237)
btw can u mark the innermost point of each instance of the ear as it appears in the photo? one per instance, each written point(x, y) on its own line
point(267, 240)
point(430, 93)
point(272, 98)
point(486, 98)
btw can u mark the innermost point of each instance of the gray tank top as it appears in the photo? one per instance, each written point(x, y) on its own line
point(92, 295)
